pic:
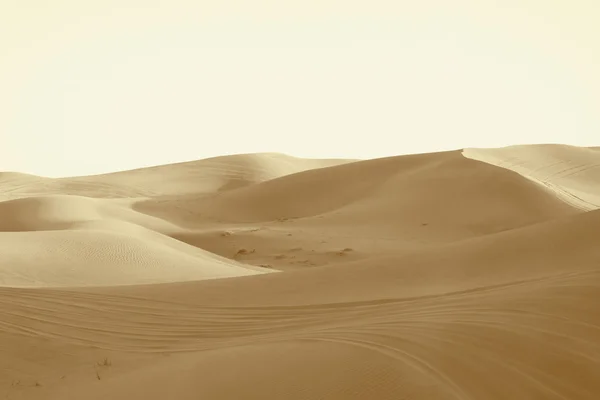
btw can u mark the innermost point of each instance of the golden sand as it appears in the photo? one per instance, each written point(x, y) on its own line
point(456, 275)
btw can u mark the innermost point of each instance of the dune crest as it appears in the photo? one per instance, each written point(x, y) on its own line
point(195, 177)
point(570, 172)
point(458, 275)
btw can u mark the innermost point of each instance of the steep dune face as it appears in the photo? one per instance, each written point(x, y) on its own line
point(571, 172)
point(452, 196)
point(352, 211)
point(431, 276)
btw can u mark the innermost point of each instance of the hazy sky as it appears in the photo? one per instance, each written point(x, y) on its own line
point(91, 86)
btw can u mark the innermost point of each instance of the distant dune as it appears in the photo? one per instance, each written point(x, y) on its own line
point(196, 177)
point(464, 275)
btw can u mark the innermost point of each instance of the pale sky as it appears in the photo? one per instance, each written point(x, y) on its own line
point(93, 86)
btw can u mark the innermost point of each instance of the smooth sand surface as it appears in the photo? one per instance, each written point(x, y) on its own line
point(572, 172)
point(462, 275)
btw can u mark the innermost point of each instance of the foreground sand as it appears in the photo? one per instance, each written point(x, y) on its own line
point(433, 276)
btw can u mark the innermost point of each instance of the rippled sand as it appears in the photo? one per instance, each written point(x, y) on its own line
point(460, 275)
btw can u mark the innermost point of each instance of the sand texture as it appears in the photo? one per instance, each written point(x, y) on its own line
point(460, 275)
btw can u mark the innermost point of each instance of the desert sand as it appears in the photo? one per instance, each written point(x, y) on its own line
point(460, 275)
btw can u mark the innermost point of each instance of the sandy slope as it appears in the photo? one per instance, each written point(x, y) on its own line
point(203, 176)
point(430, 276)
point(572, 172)
point(382, 206)
point(79, 241)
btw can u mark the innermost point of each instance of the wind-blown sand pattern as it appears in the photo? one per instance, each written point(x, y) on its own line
point(456, 275)
point(573, 173)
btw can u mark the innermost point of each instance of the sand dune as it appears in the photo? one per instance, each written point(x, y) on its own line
point(78, 241)
point(572, 172)
point(203, 176)
point(433, 276)
point(562, 246)
point(54, 212)
point(106, 254)
point(378, 206)
point(447, 183)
